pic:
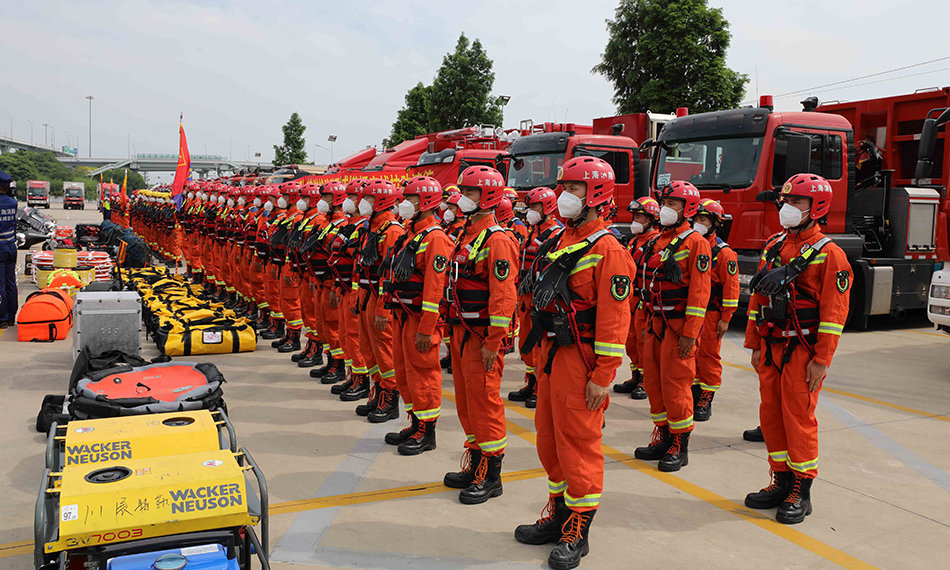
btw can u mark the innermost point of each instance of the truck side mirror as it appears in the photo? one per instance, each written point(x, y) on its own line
point(645, 145)
point(766, 196)
point(928, 140)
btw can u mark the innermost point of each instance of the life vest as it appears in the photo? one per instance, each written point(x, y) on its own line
point(715, 295)
point(664, 292)
point(370, 260)
point(316, 248)
point(530, 253)
point(791, 314)
point(406, 280)
point(343, 252)
point(467, 293)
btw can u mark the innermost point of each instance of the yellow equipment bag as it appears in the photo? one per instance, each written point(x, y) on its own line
point(223, 337)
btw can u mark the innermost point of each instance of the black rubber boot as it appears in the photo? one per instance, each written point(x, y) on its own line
point(462, 479)
point(421, 441)
point(232, 300)
point(275, 331)
point(530, 384)
point(677, 456)
point(292, 344)
point(387, 408)
point(344, 386)
point(336, 374)
point(531, 402)
point(753, 435)
point(657, 448)
point(321, 372)
point(359, 390)
point(241, 308)
point(487, 482)
point(397, 437)
point(307, 351)
point(627, 387)
point(547, 529)
point(773, 495)
point(574, 543)
point(797, 504)
point(263, 319)
point(703, 409)
point(638, 392)
point(370, 405)
point(696, 390)
point(314, 359)
point(281, 340)
point(446, 363)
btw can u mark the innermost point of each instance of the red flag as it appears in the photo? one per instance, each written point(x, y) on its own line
point(184, 167)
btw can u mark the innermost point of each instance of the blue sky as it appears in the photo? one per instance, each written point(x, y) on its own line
point(238, 69)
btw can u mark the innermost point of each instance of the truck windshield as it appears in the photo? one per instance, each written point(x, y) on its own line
point(713, 163)
point(37, 192)
point(532, 170)
point(73, 193)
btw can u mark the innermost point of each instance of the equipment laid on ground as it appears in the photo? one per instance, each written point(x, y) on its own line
point(194, 510)
point(108, 321)
point(216, 337)
point(105, 441)
point(46, 316)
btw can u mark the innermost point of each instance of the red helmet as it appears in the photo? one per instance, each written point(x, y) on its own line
point(355, 186)
point(310, 190)
point(505, 210)
point(647, 206)
point(713, 209)
point(682, 190)
point(449, 190)
point(337, 189)
point(385, 194)
point(810, 186)
point(592, 171)
point(486, 179)
point(234, 192)
point(544, 196)
point(427, 189)
point(291, 190)
point(454, 200)
point(270, 191)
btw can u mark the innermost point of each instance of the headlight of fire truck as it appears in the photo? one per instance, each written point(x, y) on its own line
point(940, 292)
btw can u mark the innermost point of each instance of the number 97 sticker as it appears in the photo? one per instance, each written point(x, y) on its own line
point(69, 513)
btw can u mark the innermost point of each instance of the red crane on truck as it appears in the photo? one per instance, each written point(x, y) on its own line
point(891, 221)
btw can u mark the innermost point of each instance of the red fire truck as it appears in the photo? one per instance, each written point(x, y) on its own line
point(448, 153)
point(541, 149)
point(891, 221)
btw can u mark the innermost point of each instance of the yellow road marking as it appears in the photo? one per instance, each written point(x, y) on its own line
point(941, 335)
point(864, 398)
point(16, 548)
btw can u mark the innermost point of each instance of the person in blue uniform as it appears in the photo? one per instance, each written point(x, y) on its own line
point(8, 291)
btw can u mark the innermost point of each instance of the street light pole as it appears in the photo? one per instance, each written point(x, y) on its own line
point(31, 130)
point(90, 124)
point(249, 153)
point(46, 134)
point(129, 141)
point(230, 148)
point(332, 139)
point(11, 125)
point(53, 139)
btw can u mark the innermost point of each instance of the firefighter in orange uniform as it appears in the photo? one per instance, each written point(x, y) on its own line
point(332, 194)
point(269, 195)
point(482, 298)
point(309, 204)
point(289, 288)
point(646, 217)
point(723, 302)
point(676, 293)
point(796, 315)
point(581, 327)
point(276, 205)
point(416, 283)
point(541, 203)
point(453, 220)
point(376, 330)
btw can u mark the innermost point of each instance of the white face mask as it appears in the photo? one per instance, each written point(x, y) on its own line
point(569, 205)
point(349, 206)
point(257, 202)
point(230, 203)
point(241, 201)
point(268, 205)
point(467, 205)
point(365, 207)
point(448, 216)
point(668, 216)
point(699, 228)
point(191, 195)
point(222, 199)
point(406, 209)
point(533, 217)
point(444, 206)
point(302, 205)
point(636, 228)
point(281, 202)
point(323, 207)
point(790, 216)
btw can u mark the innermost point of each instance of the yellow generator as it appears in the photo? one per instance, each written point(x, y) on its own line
point(182, 512)
point(88, 443)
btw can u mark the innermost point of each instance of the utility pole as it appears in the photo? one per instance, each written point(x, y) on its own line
point(230, 148)
point(90, 124)
point(46, 134)
point(331, 139)
point(11, 125)
point(129, 141)
point(31, 130)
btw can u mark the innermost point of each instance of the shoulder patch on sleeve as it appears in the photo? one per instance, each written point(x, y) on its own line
point(439, 263)
point(732, 267)
point(620, 287)
point(502, 269)
point(702, 262)
point(843, 281)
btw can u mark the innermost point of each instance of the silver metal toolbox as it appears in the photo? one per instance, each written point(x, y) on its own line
point(109, 320)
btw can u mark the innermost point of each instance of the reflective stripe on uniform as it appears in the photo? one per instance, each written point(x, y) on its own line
point(336, 352)
point(360, 370)
point(496, 445)
point(586, 262)
point(470, 438)
point(730, 303)
point(695, 311)
point(658, 418)
point(374, 370)
point(778, 456)
point(682, 424)
point(388, 374)
point(820, 258)
point(609, 349)
point(496, 321)
point(592, 500)
point(830, 328)
point(428, 414)
point(556, 488)
point(430, 307)
point(681, 255)
point(805, 466)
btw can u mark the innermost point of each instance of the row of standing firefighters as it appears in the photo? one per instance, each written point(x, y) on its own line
point(333, 262)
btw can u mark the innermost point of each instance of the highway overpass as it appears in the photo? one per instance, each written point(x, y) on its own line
point(8, 144)
point(201, 164)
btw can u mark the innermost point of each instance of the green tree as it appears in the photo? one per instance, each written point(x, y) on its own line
point(460, 95)
point(27, 165)
point(413, 119)
point(294, 149)
point(664, 54)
